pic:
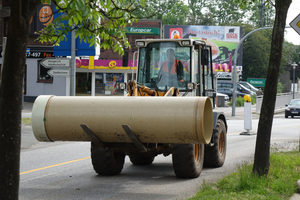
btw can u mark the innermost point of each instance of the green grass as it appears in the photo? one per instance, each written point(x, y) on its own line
point(280, 183)
point(26, 120)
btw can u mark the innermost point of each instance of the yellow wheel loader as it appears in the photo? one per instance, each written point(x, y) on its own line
point(168, 110)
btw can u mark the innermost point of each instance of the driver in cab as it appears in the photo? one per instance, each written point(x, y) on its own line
point(171, 70)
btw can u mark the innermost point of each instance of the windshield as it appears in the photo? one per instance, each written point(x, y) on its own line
point(295, 102)
point(164, 64)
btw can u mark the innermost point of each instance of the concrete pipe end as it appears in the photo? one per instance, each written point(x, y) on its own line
point(38, 118)
point(207, 121)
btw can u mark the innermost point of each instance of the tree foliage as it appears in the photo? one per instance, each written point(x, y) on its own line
point(177, 15)
point(93, 21)
point(226, 12)
point(256, 53)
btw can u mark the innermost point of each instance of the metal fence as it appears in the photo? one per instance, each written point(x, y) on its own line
point(281, 100)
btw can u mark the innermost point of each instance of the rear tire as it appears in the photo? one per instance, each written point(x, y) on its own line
point(106, 161)
point(214, 156)
point(138, 159)
point(188, 160)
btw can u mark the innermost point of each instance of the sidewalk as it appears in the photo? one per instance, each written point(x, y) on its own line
point(239, 112)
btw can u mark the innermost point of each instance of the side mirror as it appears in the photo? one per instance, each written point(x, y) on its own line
point(204, 56)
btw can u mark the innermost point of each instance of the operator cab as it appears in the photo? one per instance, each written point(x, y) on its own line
point(155, 72)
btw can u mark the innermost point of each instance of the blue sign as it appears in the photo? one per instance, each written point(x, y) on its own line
point(64, 48)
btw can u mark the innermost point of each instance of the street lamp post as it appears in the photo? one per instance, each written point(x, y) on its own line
point(294, 67)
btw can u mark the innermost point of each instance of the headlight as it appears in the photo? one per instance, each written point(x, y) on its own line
point(287, 109)
point(140, 44)
point(191, 86)
point(185, 43)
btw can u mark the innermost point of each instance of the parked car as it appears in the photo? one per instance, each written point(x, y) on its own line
point(228, 91)
point(293, 108)
point(226, 97)
point(240, 88)
point(248, 86)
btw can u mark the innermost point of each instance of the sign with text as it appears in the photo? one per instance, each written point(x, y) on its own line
point(34, 54)
point(59, 72)
point(142, 31)
point(56, 62)
point(257, 82)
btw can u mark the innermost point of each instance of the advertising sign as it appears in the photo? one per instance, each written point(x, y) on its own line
point(42, 17)
point(222, 39)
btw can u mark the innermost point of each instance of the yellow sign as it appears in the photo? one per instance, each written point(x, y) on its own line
point(112, 64)
point(298, 24)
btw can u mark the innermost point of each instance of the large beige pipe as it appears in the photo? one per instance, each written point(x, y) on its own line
point(152, 119)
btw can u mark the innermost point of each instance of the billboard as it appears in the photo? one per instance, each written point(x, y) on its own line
point(222, 39)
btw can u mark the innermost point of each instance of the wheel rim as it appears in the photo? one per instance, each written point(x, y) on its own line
point(197, 152)
point(221, 143)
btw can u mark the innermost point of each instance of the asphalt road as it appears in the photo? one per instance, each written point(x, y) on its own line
point(63, 170)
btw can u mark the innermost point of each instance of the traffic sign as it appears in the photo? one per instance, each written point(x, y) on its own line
point(295, 24)
point(55, 62)
point(59, 72)
point(257, 82)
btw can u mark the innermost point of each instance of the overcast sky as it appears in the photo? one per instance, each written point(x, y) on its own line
point(291, 35)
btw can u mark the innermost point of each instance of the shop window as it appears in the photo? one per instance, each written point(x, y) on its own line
point(42, 75)
point(83, 83)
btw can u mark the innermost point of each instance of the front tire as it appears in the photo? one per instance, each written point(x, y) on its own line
point(188, 160)
point(214, 156)
point(286, 116)
point(106, 161)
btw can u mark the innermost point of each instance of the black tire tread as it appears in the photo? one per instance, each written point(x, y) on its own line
point(212, 157)
point(184, 164)
point(106, 161)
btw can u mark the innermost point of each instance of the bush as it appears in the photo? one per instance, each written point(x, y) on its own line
point(240, 101)
point(280, 87)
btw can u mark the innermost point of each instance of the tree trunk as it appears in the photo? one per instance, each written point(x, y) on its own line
point(262, 149)
point(11, 96)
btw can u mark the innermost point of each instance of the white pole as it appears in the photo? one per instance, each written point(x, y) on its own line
point(93, 83)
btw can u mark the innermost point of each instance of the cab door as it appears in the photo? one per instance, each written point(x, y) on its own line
point(208, 88)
